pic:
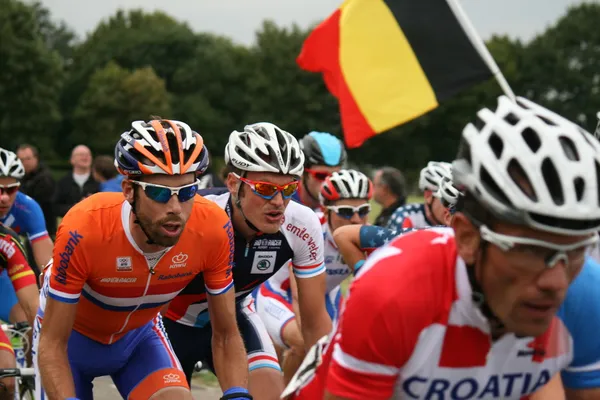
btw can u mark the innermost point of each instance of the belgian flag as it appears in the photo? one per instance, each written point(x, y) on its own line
point(390, 61)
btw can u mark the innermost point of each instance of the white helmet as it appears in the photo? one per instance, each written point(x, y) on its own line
point(430, 176)
point(345, 184)
point(264, 147)
point(10, 165)
point(447, 193)
point(530, 166)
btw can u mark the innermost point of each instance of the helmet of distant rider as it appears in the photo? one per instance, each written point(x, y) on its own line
point(264, 147)
point(447, 193)
point(321, 148)
point(160, 146)
point(433, 173)
point(345, 184)
point(10, 165)
point(529, 166)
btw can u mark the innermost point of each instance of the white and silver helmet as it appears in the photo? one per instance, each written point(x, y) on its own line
point(346, 184)
point(530, 166)
point(264, 147)
point(432, 174)
point(447, 193)
point(10, 165)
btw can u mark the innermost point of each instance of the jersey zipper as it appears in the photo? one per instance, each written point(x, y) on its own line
point(247, 249)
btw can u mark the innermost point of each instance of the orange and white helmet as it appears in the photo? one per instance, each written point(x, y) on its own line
point(160, 147)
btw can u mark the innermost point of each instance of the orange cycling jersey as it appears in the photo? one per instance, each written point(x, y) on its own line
point(97, 263)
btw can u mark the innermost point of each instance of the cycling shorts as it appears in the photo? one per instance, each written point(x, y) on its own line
point(193, 344)
point(140, 363)
point(8, 297)
point(275, 309)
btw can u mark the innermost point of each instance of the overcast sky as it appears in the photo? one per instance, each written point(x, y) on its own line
point(239, 19)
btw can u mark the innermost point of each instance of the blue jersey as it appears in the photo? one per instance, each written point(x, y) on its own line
point(26, 218)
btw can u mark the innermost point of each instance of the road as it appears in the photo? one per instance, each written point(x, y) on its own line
point(105, 390)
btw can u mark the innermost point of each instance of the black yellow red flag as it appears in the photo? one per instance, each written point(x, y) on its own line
point(390, 61)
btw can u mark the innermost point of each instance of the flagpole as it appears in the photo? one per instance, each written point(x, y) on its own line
point(480, 46)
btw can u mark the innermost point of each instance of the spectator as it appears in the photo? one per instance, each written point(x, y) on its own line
point(38, 183)
point(389, 192)
point(105, 172)
point(77, 185)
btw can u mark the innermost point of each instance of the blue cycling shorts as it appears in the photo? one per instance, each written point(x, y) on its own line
point(140, 363)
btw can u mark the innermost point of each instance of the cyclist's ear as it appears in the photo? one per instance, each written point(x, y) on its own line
point(467, 238)
point(128, 189)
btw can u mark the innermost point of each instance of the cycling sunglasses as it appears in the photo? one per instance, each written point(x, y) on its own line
point(318, 175)
point(10, 189)
point(348, 212)
point(162, 194)
point(268, 190)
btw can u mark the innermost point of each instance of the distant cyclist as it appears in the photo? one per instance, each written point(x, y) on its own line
point(323, 155)
point(25, 292)
point(477, 311)
point(345, 198)
point(265, 163)
point(120, 257)
point(430, 212)
point(23, 215)
point(354, 242)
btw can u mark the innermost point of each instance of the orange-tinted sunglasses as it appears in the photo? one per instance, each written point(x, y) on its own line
point(268, 190)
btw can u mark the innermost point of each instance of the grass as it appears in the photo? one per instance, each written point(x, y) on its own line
point(205, 378)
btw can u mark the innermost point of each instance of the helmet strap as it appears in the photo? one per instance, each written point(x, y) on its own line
point(238, 204)
point(478, 295)
point(136, 220)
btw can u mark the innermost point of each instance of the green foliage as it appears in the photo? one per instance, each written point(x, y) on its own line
point(31, 78)
point(113, 99)
point(136, 63)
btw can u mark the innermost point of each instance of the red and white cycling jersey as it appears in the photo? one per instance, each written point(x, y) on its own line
point(410, 330)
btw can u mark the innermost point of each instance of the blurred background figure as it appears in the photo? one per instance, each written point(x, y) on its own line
point(209, 178)
point(77, 185)
point(389, 192)
point(38, 183)
point(106, 174)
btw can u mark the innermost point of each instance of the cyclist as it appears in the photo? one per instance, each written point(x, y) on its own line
point(430, 212)
point(265, 163)
point(323, 155)
point(122, 257)
point(20, 212)
point(493, 285)
point(345, 196)
point(355, 241)
point(13, 260)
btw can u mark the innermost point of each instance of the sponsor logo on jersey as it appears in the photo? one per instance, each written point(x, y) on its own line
point(305, 236)
point(179, 260)
point(15, 269)
point(124, 264)
point(267, 243)
point(172, 378)
point(162, 277)
point(7, 247)
point(231, 238)
point(264, 262)
point(65, 257)
point(503, 386)
point(118, 280)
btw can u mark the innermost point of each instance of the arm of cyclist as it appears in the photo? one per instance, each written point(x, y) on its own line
point(68, 273)
point(553, 390)
point(580, 313)
point(20, 275)
point(347, 238)
point(42, 250)
point(228, 351)
point(294, 290)
point(309, 269)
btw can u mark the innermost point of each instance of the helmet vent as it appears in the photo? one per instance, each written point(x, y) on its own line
point(521, 180)
point(532, 139)
point(552, 180)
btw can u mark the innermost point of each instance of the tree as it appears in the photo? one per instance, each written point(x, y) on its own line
point(31, 77)
point(114, 98)
point(58, 37)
